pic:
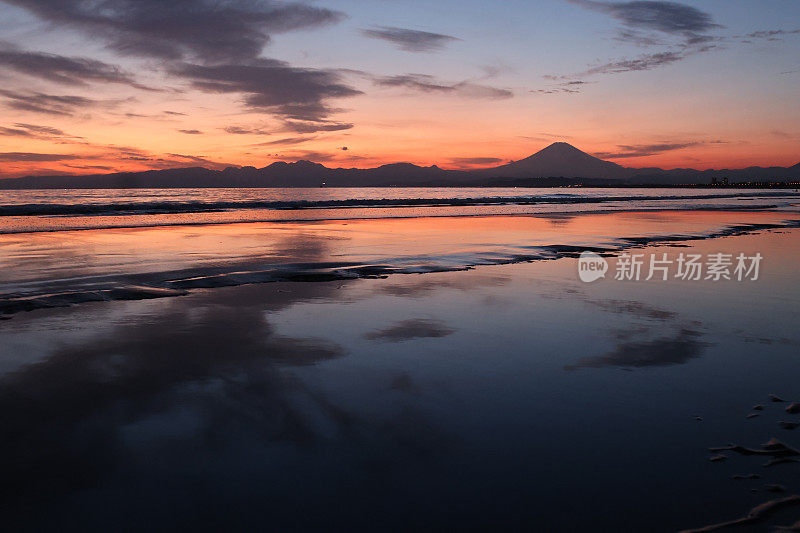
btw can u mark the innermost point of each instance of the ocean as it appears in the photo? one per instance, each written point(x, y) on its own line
point(54, 210)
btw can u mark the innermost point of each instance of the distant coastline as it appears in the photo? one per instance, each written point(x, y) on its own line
point(558, 165)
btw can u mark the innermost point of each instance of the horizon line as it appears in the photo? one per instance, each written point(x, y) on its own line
point(221, 167)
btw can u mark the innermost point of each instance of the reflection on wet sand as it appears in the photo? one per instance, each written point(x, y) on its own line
point(676, 349)
point(642, 344)
point(413, 328)
point(204, 375)
point(44, 270)
point(392, 404)
point(61, 415)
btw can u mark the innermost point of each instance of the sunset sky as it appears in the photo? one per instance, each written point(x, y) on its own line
point(91, 86)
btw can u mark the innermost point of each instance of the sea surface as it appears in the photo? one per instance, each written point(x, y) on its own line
point(54, 210)
point(404, 359)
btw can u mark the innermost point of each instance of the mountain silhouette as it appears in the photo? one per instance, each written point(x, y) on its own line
point(560, 159)
point(558, 164)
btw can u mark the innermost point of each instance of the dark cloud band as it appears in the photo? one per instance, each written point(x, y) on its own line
point(667, 17)
point(205, 30)
point(271, 85)
point(410, 40)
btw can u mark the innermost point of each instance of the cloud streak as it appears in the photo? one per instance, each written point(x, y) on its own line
point(642, 62)
point(410, 40)
point(15, 157)
point(769, 35)
point(244, 130)
point(286, 141)
point(50, 104)
point(428, 84)
point(568, 87)
point(643, 150)
point(314, 126)
point(470, 161)
point(32, 131)
point(64, 70)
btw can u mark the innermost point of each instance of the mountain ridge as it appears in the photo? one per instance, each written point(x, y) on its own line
point(559, 163)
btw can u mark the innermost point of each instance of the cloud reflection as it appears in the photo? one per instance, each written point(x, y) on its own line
point(415, 328)
point(663, 351)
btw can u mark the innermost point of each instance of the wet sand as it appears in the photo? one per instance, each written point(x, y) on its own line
point(505, 396)
point(53, 269)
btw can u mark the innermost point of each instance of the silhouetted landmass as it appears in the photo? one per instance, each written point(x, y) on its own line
point(559, 160)
point(558, 165)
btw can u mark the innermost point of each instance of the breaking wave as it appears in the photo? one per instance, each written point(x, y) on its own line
point(198, 206)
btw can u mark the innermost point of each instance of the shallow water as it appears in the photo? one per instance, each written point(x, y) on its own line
point(508, 396)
